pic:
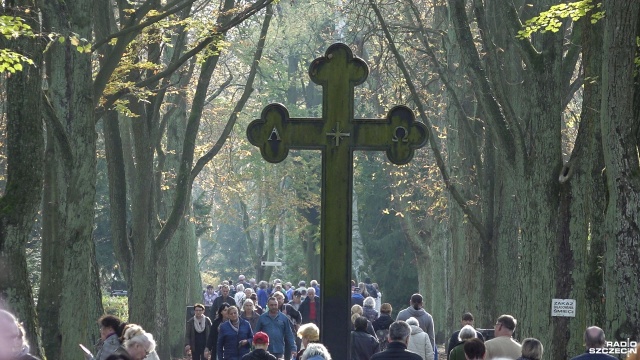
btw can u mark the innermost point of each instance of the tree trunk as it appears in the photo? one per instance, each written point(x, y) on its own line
point(23, 190)
point(584, 217)
point(620, 144)
point(175, 280)
point(71, 92)
point(53, 244)
point(360, 264)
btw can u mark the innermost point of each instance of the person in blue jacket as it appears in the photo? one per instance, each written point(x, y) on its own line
point(234, 337)
point(276, 325)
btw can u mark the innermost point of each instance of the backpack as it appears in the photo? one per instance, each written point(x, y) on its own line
point(371, 290)
point(382, 338)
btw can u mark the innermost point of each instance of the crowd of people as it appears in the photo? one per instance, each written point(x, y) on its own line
point(118, 341)
point(256, 321)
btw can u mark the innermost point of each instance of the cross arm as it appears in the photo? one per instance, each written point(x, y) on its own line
point(275, 133)
point(399, 134)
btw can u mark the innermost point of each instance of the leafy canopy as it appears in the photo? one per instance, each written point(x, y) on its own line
point(551, 20)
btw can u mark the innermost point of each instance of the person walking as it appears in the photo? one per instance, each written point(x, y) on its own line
point(110, 332)
point(311, 309)
point(249, 314)
point(466, 333)
point(212, 340)
point(419, 341)
point(307, 333)
point(136, 343)
point(260, 344)
point(363, 344)
point(234, 337)
point(425, 319)
point(13, 344)
point(399, 333)
point(196, 334)
point(503, 345)
point(467, 319)
point(276, 325)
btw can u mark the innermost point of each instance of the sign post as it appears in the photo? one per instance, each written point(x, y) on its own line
point(563, 307)
point(271, 263)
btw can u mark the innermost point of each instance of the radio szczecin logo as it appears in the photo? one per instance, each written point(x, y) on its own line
point(616, 347)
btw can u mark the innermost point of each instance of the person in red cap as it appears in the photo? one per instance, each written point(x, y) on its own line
point(260, 343)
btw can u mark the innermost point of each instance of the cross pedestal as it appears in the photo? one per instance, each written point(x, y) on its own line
point(337, 134)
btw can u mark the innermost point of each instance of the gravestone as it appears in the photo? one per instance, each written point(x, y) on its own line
point(337, 134)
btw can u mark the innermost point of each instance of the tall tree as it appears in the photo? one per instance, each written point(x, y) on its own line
point(25, 160)
point(72, 113)
point(619, 123)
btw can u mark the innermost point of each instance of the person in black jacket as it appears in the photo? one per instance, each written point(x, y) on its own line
point(311, 309)
point(212, 341)
point(260, 343)
point(223, 298)
point(381, 325)
point(196, 333)
point(399, 333)
point(384, 320)
point(363, 344)
point(467, 319)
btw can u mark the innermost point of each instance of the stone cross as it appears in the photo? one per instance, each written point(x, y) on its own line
point(337, 134)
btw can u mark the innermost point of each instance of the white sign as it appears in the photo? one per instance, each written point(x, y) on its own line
point(271, 263)
point(563, 307)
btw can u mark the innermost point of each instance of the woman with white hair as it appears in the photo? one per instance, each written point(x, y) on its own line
point(419, 341)
point(240, 296)
point(137, 343)
point(316, 351)
point(13, 344)
point(248, 313)
point(466, 333)
point(369, 310)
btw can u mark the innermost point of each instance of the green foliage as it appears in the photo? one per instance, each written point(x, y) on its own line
point(12, 61)
point(551, 20)
point(12, 27)
point(389, 257)
point(116, 305)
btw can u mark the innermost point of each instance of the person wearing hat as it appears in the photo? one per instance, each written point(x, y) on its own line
point(356, 297)
point(260, 344)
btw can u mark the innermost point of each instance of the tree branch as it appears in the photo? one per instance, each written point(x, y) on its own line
point(529, 53)
point(54, 124)
point(188, 55)
point(140, 26)
point(184, 178)
point(484, 92)
point(433, 142)
point(495, 72)
point(451, 90)
point(245, 228)
point(248, 89)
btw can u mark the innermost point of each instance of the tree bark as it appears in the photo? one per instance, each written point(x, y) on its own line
point(23, 190)
point(620, 145)
point(70, 92)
